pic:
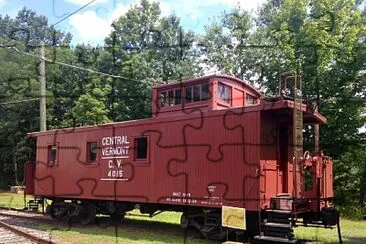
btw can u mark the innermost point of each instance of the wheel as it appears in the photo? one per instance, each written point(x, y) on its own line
point(88, 214)
point(57, 210)
point(184, 221)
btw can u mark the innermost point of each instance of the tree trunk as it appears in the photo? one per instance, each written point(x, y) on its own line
point(15, 163)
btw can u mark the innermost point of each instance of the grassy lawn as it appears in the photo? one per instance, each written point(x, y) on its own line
point(134, 230)
point(352, 232)
point(164, 228)
point(12, 200)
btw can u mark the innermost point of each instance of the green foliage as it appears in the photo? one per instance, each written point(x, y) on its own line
point(17, 82)
point(350, 211)
point(147, 49)
point(350, 178)
point(225, 44)
point(90, 108)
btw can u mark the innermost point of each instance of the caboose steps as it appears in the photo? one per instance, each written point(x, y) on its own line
point(279, 216)
point(277, 228)
point(276, 225)
point(271, 239)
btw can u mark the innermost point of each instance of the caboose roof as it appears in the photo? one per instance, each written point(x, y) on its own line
point(315, 117)
point(190, 81)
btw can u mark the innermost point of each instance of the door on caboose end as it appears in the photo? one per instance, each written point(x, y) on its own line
point(275, 164)
point(283, 159)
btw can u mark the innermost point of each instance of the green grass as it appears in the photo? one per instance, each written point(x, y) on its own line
point(133, 230)
point(12, 200)
point(353, 231)
point(164, 228)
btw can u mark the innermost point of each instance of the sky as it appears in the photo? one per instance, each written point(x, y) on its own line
point(93, 23)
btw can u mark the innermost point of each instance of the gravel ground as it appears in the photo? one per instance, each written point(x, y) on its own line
point(26, 222)
point(6, 236)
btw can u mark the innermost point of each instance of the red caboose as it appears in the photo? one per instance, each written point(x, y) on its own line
point(212, 142)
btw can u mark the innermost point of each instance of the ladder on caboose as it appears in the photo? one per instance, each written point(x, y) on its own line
point(278, 225)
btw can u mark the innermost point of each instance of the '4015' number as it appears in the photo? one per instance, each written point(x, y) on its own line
point(115, 173)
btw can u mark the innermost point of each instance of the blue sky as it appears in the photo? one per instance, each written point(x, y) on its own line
point(92, 24)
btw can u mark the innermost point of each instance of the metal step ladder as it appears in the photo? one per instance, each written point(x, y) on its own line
point(277, 228)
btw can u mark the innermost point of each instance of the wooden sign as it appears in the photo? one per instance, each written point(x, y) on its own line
point(233, 217)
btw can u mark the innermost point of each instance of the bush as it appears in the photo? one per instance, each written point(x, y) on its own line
point(351, 212)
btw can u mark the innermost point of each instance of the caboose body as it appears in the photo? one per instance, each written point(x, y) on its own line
point(211, 142)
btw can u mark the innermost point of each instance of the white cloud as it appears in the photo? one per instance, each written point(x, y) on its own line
point(2, 3)
point(193, 7)
point(93, 28)
point(89, 26)
point(165, 8)
point(84, 2)
point(118, 11)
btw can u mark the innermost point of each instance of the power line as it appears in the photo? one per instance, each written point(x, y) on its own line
point(67, 65)
point(73, 13)
point(20, 101)
point(87, 69)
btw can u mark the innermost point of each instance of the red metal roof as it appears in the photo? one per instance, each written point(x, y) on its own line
point(202, 78)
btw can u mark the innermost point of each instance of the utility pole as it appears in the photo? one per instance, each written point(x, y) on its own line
point(42, 90)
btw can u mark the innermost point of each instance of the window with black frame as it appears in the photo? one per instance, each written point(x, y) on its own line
point(178, 96)
point(92, 151)
point(224, 93)
point(163, 99)
point(250, 100)
point(141, 147)
point(205, 91)
point(188, 93)
point(171, 97)
point(52, 154)
point(196, 93)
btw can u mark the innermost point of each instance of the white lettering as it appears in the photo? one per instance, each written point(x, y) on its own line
point(110, 164)
point(115, 151)
point(114, 140)
point(115, 173)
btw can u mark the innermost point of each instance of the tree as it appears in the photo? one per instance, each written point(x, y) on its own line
point(65, 85)
point(32, 30)
point(146, 49)
point(19, 84)
point(324, 42)
point(225, 44)
point(350, 180)
point(90, 108)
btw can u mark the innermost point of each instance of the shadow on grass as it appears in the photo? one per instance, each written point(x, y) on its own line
point(127, 230)
point(345, 239)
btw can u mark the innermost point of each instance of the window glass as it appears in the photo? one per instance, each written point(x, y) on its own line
point(188, 94)
point(171, 97)
point(196, 93)
point(162, 99)
point(141, 148)
point(178, 96)
point(92, 148)
point(52, 154)
point(249, 100)
point(205, 91)
point(224, 92)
